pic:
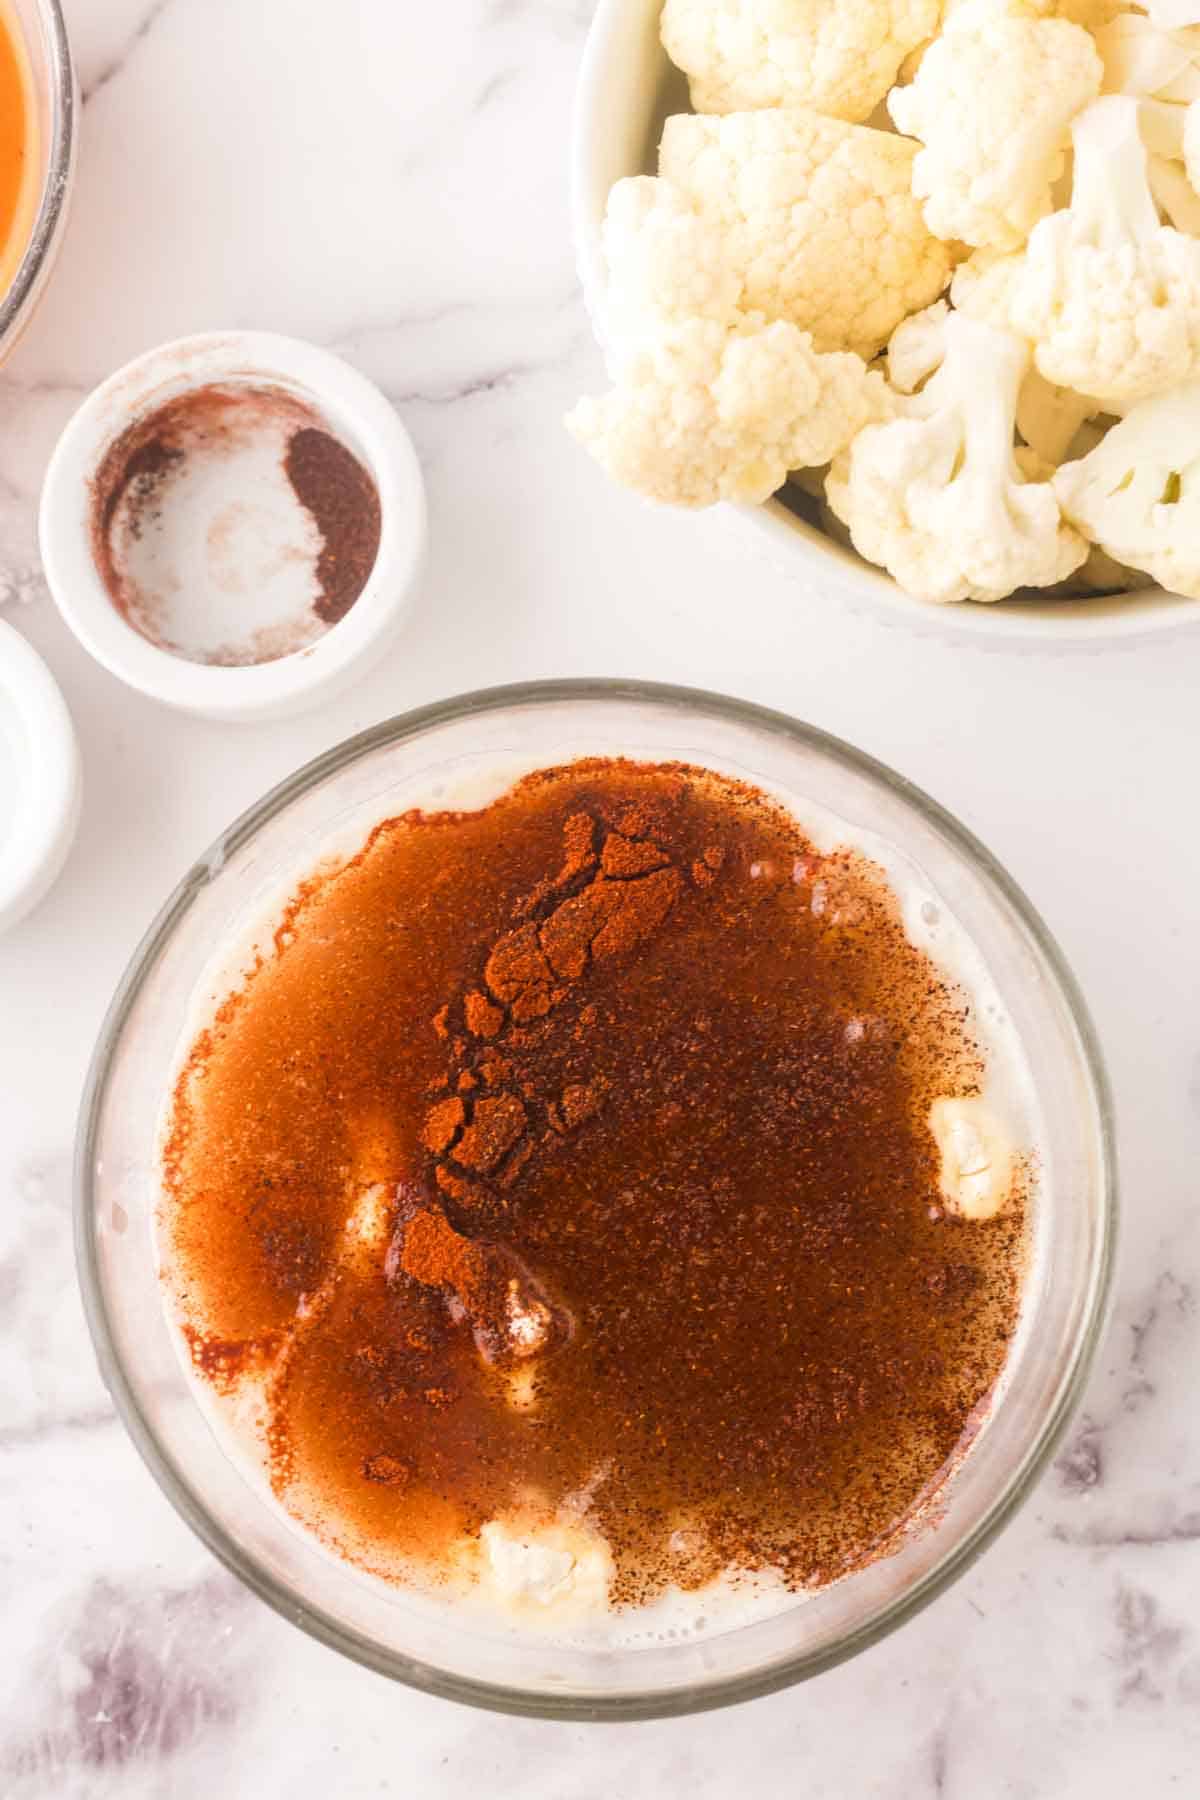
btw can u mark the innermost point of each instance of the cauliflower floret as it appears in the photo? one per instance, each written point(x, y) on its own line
point(544, 1569)
point(1141, 59)
point(1170, 15)
point(710, 411)
point(938, 498)
point(1091, 14)
point(1191, 146)
point(1173, 191)
point(836, 58)
point(905, 73)
point(1048, 417)
point(1110, 297)
point(977, 1162)
point(664, 262)
point(1138, 492)
point(984, 284)
point(816, 217)
point(992, 103)
point(1161, 68)
point(917, 347)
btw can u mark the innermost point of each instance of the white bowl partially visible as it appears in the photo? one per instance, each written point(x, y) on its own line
point(627, 87)
point(40, 780)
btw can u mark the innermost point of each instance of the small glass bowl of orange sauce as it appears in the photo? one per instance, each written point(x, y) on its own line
point(38, 105)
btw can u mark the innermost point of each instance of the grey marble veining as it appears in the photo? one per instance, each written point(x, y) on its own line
point(391, 181)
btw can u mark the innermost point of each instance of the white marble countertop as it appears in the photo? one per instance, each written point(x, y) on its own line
point(390, 180)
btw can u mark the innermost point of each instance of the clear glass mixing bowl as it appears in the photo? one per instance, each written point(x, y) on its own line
point(336, 799)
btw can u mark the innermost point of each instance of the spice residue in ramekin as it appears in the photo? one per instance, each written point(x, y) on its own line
point(231, 526)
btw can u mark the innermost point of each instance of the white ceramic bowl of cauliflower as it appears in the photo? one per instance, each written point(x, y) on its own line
point(788, 244)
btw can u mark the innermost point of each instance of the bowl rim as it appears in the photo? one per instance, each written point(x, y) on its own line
point(33, 270)
point(790, 543)
point(320, 1624)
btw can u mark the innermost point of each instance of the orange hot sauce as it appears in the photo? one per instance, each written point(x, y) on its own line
point(17, 148)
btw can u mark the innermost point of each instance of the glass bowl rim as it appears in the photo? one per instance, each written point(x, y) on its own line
point(320, 1624)
point(56, 184)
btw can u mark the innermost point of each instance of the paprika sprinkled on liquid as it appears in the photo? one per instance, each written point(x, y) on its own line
point(623, 1088)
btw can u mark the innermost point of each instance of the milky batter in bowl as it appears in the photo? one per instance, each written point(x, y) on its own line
point(597, 1205)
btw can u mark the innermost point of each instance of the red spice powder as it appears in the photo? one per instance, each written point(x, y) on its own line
point(331, 483)
point(605, 1021)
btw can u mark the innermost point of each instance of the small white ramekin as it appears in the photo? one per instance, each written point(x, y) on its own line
point(354, 409)
point(627, 87)
point(40, 770)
